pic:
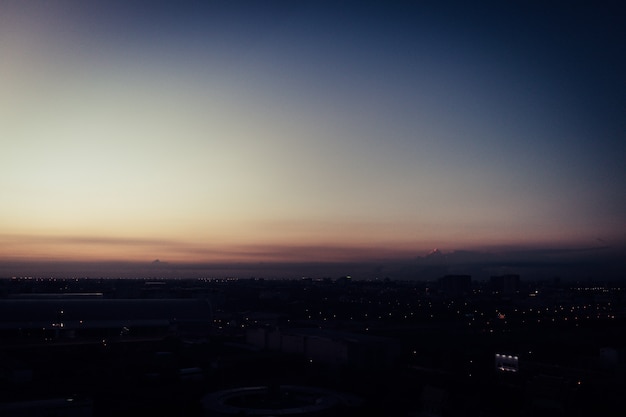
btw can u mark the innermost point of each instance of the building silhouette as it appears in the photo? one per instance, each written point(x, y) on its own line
point(455, 285)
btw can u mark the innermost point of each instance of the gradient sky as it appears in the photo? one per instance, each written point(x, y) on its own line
point(317, 131)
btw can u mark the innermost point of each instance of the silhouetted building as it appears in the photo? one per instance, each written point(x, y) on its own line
point(455, 285)
point(505, 284)
point(23, 320)
point(328, 346)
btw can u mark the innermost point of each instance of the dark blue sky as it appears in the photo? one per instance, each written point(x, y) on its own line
point(292, 131)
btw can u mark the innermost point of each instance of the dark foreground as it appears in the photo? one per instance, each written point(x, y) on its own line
point(198, 347)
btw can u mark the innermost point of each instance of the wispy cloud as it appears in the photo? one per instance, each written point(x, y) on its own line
point(137, 249)
point(83, 240)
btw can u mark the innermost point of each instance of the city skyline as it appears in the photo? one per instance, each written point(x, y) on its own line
point(306, 132)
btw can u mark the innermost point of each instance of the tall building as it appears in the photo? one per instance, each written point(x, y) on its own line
point(505, 284)
point(455, 285)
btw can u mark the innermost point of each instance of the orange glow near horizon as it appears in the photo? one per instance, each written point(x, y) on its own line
point(138, 135)
point(98, 249)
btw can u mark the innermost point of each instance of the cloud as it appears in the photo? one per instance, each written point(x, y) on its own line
point(128, 256)
point(83, 240)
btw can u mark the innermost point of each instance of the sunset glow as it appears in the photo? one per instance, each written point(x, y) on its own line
point(303, 133)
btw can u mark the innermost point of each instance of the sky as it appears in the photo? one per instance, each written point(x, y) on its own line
point(226, 131)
